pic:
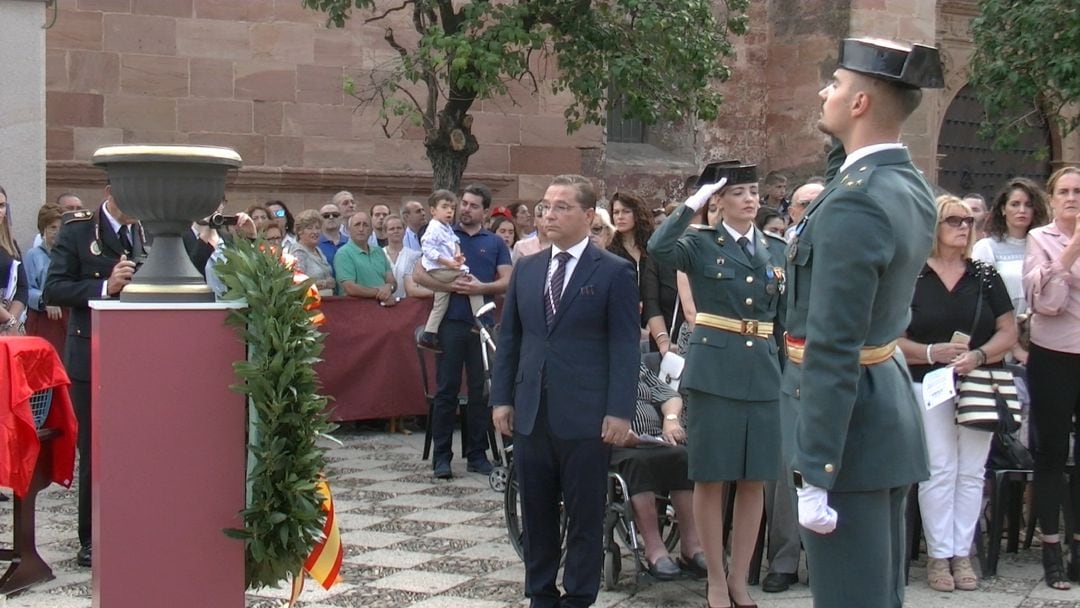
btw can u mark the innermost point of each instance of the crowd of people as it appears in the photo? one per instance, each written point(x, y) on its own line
point(584, 285)
point(991, 276)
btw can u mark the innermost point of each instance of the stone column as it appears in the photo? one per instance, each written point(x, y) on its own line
point(22, 112)
point(907, 21)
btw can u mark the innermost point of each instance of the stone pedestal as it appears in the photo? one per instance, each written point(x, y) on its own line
point(169, 453)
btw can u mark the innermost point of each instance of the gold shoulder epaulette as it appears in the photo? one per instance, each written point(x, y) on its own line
point(80, 215)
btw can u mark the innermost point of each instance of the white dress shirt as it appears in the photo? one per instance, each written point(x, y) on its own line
point(735, 234)
point(863, 152)
point(575, 253)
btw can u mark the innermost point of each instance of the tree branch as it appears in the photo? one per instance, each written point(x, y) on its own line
point(389, 10)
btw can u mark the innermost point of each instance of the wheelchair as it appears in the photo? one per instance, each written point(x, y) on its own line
point(620, 527)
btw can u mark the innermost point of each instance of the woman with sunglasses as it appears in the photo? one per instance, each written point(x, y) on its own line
point(1052, 288)
point(950, 327)
point(280, 215)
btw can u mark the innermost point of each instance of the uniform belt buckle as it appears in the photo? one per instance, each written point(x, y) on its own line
point(749, 327)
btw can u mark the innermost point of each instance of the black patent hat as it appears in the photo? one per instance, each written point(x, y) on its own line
point(917, 66)
point(734, 170)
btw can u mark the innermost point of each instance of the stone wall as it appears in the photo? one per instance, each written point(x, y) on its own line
point(265, 77)
point(22, 114)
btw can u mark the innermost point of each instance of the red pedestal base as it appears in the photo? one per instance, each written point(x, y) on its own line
point(168, 449)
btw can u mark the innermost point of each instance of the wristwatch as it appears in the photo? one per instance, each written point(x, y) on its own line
point(671, 417)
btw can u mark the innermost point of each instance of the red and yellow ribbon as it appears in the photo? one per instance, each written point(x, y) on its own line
point(324, 562)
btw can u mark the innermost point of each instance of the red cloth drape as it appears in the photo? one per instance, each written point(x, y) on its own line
point(369, 363)
point(27, 365)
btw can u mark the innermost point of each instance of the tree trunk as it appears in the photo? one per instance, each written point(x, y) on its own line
point(450, 145)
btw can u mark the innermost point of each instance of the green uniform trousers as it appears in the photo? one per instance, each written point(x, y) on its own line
point(861, 563)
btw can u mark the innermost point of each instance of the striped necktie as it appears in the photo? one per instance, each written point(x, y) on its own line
point(553, 293)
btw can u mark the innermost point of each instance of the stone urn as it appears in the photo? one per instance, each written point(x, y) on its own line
point(167, 188)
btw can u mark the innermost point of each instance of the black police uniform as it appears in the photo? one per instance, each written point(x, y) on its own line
point(80, 263)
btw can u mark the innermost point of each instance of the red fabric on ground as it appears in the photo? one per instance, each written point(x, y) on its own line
point(27, 365)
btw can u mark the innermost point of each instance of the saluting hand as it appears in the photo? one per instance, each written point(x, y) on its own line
point(698, 199)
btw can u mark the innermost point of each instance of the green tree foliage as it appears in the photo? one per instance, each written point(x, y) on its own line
point(1027, 60)
point(661, 57)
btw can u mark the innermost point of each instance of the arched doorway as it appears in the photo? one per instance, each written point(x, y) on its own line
point(968, 163)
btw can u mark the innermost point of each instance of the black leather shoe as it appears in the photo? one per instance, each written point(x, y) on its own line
point(775, 582)
point(83, 557)
point(695, 566)
point(664, 569)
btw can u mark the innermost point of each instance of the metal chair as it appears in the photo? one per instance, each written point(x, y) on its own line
point(424, 357)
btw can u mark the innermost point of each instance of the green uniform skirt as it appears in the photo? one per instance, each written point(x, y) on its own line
point(730, 440)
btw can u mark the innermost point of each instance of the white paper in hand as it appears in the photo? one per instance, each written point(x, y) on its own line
point(938, 387)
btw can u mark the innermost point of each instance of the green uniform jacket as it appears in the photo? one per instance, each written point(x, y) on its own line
point(725, 283)
point(853, 265)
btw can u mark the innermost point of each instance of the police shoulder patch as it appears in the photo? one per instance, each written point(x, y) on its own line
point(77, 216)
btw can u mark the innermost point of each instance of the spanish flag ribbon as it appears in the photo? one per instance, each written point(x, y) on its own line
point(324, 562)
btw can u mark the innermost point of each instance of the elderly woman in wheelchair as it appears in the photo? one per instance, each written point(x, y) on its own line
point(653, 463)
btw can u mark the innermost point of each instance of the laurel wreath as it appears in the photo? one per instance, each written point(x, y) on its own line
point(283, 519)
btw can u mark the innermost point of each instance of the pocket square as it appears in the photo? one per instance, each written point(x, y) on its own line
point(587, 290)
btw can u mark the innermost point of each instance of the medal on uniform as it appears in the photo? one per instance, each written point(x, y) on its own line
point(793, 248)
point(95, 248)
point(781, 279)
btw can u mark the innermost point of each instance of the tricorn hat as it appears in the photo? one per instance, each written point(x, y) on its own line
point(734, 170)
point(916, 66)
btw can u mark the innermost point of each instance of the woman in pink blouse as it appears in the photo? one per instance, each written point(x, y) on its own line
point(1052, 287)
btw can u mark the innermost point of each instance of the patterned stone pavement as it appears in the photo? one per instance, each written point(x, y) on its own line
point(412, 541)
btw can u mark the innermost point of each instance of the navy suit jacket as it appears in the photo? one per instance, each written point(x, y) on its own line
point(587, 362)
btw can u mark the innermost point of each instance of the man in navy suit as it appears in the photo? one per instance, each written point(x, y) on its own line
point(564, 386)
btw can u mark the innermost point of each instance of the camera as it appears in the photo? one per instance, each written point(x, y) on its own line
point(218, 220)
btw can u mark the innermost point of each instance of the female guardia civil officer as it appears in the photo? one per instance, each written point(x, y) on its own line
point(732, 367)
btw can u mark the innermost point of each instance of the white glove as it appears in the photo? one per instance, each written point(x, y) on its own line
point(815, 514)
point(698, 199)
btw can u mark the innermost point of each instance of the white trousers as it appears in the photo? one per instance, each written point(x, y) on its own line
point(951, 499)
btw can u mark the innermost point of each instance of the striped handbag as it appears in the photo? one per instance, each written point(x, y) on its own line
point(986, 397)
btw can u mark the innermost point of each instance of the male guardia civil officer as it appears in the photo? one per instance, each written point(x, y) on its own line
point(856, 444)
point(564, 385)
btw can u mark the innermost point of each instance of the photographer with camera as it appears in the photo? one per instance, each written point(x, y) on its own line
point(243, 227)
point(95, 256)
point(205, 235)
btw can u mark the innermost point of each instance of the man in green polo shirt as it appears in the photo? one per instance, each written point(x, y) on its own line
point(363, 271)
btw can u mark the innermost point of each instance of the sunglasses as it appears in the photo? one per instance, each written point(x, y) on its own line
point(955, 221)
point(279, 213)
point(331, 216)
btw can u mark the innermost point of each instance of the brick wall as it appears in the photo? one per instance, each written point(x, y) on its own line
point(265, 77)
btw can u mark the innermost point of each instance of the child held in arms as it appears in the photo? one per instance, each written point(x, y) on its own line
point(443, 261)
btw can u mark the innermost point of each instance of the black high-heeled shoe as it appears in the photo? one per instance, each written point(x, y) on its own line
point(1053, 570)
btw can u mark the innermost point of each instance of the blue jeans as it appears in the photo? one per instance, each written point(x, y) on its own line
point(461, 348)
